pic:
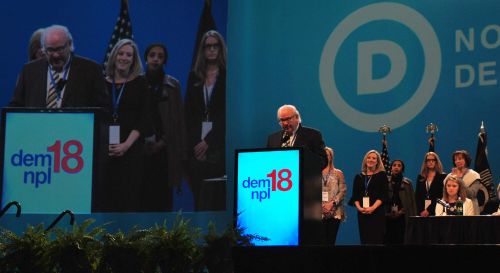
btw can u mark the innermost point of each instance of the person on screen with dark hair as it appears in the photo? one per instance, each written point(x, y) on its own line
point(293, 134)
point(205, 107)
point(166, 148)
point(61, 79)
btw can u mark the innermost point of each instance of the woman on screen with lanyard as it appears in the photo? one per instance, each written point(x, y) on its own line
point(130, 119)
point(429, 186)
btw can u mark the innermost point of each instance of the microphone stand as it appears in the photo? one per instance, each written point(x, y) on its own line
point(13, 203)
point(71, 221)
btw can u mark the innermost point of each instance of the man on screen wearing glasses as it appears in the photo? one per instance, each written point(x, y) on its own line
point(61, 79)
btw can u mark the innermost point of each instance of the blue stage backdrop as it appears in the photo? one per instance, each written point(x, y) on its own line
point(91, 23)
point(353, 66)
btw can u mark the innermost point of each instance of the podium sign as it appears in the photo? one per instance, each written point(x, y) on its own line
point(268, 195)
point(48, 160)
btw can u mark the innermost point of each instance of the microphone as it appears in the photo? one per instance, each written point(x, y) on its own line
point(443, 203)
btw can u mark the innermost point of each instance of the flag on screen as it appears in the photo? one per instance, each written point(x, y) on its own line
point(122, 30)
point(206, 23)
point(385, 156)
point(432, 143)
point(482, 166)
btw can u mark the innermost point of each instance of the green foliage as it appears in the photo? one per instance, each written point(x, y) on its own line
point(77, 250)
point(122, 253)
point(26, 253)
point(87, 249)
point(217, 252)
point(175, 250)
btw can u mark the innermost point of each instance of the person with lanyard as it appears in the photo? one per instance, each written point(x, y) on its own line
point(205, 108)
point(400, 205)
point(60, 79)
point(333, 193)
point(429, 185)
point(130, 122)
point(369, 193)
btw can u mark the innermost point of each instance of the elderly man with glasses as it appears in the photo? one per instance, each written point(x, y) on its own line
point(61, 79)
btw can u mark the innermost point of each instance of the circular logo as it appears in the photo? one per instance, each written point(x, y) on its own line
point(432, 60)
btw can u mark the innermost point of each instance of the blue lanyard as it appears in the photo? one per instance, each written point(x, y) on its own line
point(64, 78)
point(116, 99)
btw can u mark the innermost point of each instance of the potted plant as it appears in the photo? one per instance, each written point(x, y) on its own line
point(26, 253)
point(218, 248)
point(76, 251)
point(124, 253)
point(175, 250)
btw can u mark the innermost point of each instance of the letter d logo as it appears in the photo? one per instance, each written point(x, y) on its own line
point(366, 51)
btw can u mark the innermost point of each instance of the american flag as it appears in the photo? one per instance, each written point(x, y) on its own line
point(385, 156)
point(432, 143)
point(123, 29)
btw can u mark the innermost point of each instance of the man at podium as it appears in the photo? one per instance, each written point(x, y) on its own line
point(293, 134)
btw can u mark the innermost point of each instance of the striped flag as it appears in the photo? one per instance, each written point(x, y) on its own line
point(432, 143)
point(206, 23)
point(123, 29)
point(482, 166)
point(385, 156)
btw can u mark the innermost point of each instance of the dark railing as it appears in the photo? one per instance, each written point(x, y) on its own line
point(71, 221)
point(13, 203)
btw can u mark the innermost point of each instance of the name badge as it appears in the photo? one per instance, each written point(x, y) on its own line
point(366, 202)
point(114, 134)
point(324, 197)
point(427, 203)
point(206, 127)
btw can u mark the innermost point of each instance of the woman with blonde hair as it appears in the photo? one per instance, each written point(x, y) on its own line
point(454, 191)
point(130, 118)
point(334, 189)
point(368, 195)
point(429, 185)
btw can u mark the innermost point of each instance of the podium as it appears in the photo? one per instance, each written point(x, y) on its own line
point(52, 158)
point(278, 195)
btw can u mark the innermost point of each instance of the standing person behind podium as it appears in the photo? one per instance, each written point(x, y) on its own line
point(130, 112)
point(429, 185)
point(166, 148)
point(35, 50)
point(454, 188)
point(470, 178)
point(293, 134)
point(61, 79)
point(400, 205)
point(368, 195)
point(334, 189)
point(205, 106)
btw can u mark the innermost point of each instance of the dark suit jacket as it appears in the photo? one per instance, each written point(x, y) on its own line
point(306, 137)
point(84, 88)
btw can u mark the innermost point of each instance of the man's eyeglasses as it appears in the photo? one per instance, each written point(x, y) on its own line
point(52, 50)
point(287, 119)
point(215, 46)
point(431, 160)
